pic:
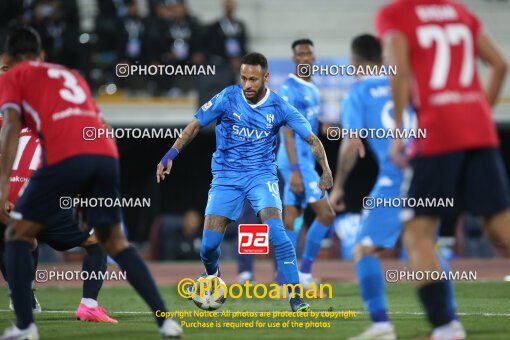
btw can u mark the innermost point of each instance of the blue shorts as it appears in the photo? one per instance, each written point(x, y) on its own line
point(86, 176)
point(381, 226)
point(311, 194)
point(229, 189)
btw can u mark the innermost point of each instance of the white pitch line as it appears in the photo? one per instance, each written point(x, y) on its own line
point(358, 312)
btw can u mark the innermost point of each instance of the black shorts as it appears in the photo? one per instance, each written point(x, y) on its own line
point(62, 234)
point(476, 180)
point(86, 176)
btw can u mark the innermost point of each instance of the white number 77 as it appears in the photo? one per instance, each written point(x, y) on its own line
point(452, 34)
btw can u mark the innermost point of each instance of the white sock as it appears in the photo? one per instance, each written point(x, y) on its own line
point(382, 324)
point(90, 303)
point(305, 276)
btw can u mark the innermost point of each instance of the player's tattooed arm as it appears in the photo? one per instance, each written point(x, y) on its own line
point(189, 132)
point(347, 158)
point(9, 138)
point(326, 181)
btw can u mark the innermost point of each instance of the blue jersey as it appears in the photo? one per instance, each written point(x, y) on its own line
point(304, 96)
point(246, 134)
point(369, 105)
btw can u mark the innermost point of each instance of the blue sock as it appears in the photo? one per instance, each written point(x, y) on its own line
point(210, 251)
point(285, 254)
point(449, 287)
point(434, 298)
point(292, 235)
point(372, 287)
point(94, 261)
point(314, 238)
point(20, 271)
point(141, 279)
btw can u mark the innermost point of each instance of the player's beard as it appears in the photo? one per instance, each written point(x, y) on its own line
point(258, 95)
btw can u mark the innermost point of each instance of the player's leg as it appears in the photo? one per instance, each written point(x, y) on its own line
point(373, 292)
point(245, 261)
point(104, 177)
point(214, 230)
point(264, 196)
point(19, 265)
point(36, 307)
point(291, 215)
point(95, 261)
point(380, 229)
point(487, 194)
point(116, 245)
point(63, 233)
point(324, 216)
point(434, 177)
point(224, 205)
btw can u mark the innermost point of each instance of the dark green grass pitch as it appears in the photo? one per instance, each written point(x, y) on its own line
point(484, 309)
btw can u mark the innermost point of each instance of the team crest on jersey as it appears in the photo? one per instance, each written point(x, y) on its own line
point(270, 120)
point(207, 105)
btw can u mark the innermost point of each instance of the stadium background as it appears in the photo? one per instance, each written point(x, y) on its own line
point(90, 36)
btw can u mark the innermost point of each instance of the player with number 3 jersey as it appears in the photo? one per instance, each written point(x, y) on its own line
point(55, 103)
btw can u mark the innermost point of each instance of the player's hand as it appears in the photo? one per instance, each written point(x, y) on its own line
point(296, 182)
point(361, 147)
point(161, 171)
point(326, 181)
point(336, 198)
point(397, 153)
point(4, 203)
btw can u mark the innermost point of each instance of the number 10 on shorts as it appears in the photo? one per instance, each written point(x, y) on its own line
point(253, 239)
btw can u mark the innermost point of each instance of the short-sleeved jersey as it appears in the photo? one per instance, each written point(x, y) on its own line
point(304, 96)
point(446, 91)
point(246, 133)
point(369, 105)
point(28, 159)
point(56, 104)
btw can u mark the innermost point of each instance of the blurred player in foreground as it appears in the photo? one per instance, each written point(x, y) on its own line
point(368, 105)
point(248, 118)
point(296, 162)
point(434, 45)
point(56, 103)
point(63, 235)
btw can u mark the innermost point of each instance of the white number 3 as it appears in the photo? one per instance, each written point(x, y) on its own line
point(72, 92)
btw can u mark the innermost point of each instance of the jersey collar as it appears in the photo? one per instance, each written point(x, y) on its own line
point(262, 101)
point(301, 81)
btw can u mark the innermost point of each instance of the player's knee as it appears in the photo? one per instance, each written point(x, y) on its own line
point(326, 217)
point(288, 223)
point(17, 232)
point(112, 241)
point(360, 251)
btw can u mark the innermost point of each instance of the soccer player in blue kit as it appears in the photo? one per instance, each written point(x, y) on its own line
point(369, 105)
point(296, 162)
point(248, 118)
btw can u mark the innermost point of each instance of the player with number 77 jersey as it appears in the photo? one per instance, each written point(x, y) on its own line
point(434, 44)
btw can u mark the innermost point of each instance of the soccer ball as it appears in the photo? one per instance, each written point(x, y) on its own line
point(210, 292)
